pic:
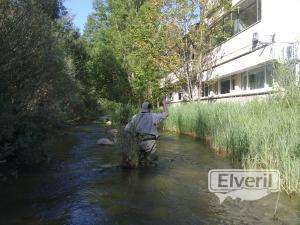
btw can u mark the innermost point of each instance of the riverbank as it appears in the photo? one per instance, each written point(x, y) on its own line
point(254, 135)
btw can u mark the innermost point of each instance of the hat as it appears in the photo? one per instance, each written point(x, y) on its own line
point(146, 106)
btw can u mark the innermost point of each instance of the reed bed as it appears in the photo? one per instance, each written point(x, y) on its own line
point(257, 134)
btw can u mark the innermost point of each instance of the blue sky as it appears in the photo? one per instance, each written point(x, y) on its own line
point(80, 9)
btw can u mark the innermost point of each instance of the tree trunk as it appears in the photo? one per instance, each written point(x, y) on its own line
point(186, 70)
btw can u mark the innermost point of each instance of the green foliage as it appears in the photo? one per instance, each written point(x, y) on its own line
point(255, 135)
point(286, 82)
point(41, 75)
point(108, 77)
point(123, 113)
point(120, 113)
point(106, 68)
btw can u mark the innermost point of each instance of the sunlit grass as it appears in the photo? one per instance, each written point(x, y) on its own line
point(254, 135)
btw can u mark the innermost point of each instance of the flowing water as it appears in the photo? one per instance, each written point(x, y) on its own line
point(83, 185)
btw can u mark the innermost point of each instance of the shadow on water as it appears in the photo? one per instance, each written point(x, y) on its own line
point(84, 185)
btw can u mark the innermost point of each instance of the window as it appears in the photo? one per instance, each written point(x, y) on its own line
point(205, 90)
point(233, 84)
point(179, 96)
point(217, 34)
point(225, 86)
point(228, 24)
point(244, 15)
point(256, 78)
point(215, 89)
point(244, 81)
point(269, 75)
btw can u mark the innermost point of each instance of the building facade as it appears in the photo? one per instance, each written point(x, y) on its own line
point(261, 33)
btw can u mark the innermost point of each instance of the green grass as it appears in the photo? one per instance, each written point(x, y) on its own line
point(254, 135)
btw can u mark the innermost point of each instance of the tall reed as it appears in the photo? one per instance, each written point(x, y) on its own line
point(254, 135)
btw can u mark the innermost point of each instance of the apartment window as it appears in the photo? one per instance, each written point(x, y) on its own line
point(228, 25)
point(269, 75)
point(256, 78)
point(246, 14)
point(215, 89)
point(233, 84)
point(179, 96)
point(205, 90)
point(225, 86)
point(244, 81)
point(218, 35)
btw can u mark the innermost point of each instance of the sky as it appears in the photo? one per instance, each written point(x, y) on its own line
point(80, 9)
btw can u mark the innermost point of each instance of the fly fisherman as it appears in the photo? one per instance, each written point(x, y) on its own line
point(144, 125)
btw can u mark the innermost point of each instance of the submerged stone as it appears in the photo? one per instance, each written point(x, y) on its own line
point(113, 132)
point(104, 141)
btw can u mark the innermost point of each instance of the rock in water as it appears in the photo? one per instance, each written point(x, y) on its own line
point(108, 123)
point(113, 132)
point(104, 141)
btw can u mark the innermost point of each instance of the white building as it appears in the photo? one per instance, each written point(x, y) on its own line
point(263, 31)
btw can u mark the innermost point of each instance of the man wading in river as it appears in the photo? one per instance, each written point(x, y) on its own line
point(144, 125)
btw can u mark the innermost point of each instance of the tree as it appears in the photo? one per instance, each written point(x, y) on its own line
point(187, 35)
point(40, 75)
point(106, 52)
point(144, 44)
point(151, 39)
point(171, 37)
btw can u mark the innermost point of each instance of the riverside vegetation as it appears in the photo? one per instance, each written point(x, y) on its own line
point(257, 134)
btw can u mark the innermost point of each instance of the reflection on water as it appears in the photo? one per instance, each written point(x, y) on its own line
point(83, 185)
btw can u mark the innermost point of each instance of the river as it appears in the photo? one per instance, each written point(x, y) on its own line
point(82, 186)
